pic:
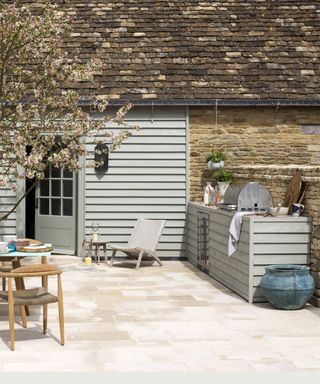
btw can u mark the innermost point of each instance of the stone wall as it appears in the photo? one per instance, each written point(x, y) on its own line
point(265, 145)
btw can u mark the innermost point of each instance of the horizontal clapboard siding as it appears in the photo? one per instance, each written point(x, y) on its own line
point(146, 179)
point(7, 200)
point(192, 235)
point(137, 144)
point(233, 271)
point(136, 186)
point(282, 241)
point(263, 241)
point(149, 155)
point(139, 194)
point(278, 227)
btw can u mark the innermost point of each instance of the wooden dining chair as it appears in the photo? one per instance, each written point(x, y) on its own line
point(5, 267)
point(34, 296)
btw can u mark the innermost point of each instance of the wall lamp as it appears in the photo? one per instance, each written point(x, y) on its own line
point(101, 156)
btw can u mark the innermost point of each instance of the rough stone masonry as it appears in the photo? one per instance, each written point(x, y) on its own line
point(264, 144)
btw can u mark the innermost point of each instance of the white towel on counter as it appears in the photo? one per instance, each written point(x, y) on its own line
point(234, 231)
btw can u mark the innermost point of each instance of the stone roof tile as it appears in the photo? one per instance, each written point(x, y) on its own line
point(200, 49)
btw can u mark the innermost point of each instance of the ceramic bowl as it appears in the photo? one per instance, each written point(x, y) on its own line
point(279, 211)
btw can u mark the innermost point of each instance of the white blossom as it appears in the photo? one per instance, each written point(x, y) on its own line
point(41, 122)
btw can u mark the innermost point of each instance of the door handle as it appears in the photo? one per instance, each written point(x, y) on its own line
point(37, 203)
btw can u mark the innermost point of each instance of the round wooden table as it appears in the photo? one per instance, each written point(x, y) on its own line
point(15, 257)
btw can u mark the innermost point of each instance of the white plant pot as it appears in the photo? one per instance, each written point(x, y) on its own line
point(212, 165)
point(223, 186)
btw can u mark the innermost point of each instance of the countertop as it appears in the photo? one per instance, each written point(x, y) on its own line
point(260, 215)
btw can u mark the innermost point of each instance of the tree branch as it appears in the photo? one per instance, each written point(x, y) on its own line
point(6, 215)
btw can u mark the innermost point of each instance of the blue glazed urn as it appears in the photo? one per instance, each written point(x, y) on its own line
point(287, 286)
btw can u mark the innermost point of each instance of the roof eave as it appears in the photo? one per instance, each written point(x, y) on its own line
point(211, 102)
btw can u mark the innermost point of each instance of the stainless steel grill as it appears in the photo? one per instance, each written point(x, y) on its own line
point(250, 196)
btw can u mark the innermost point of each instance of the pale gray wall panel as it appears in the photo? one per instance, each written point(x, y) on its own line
point(7, 200)
point(154, 171)
point(123, 223)
point(141, 146)
point(126, 155)
point(123, 180)
point(132, 200)
point(145, 193)
point(164, 185)
point(146, 179)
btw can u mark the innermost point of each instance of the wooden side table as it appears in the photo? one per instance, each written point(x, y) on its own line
point(99, 246)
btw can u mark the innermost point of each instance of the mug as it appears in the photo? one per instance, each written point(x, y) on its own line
point(297, 209)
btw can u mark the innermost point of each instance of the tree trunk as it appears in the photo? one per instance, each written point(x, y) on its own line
point(6, 215)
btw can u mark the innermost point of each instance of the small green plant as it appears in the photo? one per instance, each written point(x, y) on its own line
point(223, 175)
point(217, 156)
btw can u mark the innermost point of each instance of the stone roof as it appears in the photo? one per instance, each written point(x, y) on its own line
point(190, 49)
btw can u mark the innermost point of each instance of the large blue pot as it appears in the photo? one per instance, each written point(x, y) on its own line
point(287, 286)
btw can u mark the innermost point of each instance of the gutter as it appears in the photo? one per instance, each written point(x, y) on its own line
point(212, 102)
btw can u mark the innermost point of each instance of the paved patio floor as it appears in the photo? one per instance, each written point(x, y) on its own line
point(167, 319)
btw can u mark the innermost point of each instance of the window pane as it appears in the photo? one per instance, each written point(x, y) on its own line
point(44, 206)
point(56, 207)
point(55, 172)
point(46, 173)
point(67, 174)
point(67, 207)
point(55, 187)
point(44, 188)
point(67, 188)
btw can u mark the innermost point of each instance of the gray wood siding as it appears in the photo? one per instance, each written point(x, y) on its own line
point(233, 271)
point(146, 179)
point(7, 200)
point(263, 241)
point(192, 235)
point(278, 241)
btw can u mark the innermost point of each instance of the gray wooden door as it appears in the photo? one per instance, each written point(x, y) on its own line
point(55, 218)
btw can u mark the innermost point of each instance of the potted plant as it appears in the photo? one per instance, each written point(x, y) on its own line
point(224, 178)
point(216, 159)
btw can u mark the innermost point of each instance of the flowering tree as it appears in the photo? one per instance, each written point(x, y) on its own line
point(41, 122)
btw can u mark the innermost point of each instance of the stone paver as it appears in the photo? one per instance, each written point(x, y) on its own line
point(170, 318)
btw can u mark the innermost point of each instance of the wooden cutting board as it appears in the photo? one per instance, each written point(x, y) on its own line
point(293, 190)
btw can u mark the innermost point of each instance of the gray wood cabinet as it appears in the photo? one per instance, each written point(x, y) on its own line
point(263, 241)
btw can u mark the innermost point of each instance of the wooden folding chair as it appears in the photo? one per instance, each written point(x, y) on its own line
point(143, 241)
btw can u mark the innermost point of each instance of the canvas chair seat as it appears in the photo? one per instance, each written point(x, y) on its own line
point(6, 268)
point(34, 296)
point(143, 241)
point(128, 250)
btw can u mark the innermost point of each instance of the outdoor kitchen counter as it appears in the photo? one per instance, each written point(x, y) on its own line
point(263, 241)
